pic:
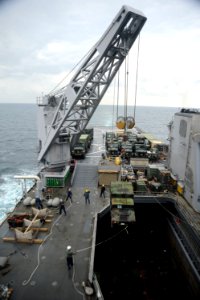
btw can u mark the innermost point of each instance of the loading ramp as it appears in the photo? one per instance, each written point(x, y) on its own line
point(86, 175)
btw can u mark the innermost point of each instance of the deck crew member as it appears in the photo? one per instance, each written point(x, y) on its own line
point(38, 203)
point(69, 194)
point(102, 193)
point(62, 207)
point(70, 261)
point(87, 196)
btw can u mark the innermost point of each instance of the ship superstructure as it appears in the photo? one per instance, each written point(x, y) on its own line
point(184, 154)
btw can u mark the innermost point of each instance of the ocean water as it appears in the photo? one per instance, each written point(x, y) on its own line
point(19, 146)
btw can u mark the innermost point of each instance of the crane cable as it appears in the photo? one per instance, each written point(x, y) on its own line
point(117, 112)
point(116, 97)
point(136, 79)
point(71, 71)
point(126, 70)
point(113, 112)
point(127, 85)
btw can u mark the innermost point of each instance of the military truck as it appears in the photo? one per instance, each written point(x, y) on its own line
point(81, 147)
point(126, 150)
point(113, 149)
point(89, 131)
point(140, 150)
point(121, 203)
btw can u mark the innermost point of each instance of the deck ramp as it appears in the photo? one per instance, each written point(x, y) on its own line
point(86, 175)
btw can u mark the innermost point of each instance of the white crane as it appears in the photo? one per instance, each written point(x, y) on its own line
point(66, 113)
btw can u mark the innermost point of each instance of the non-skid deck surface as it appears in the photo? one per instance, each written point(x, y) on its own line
point(43, 267)
point(86, 175)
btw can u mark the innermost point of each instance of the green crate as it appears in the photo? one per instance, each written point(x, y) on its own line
point(121, 188)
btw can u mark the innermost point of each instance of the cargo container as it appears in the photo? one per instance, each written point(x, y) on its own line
point(108, 173)
point(56, 179)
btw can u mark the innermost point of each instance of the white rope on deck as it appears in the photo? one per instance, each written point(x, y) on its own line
point(25, 282)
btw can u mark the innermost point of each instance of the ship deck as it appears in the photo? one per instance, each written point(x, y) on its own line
point(40, 271)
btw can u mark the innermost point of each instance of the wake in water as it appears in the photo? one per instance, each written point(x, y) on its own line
point(11, 191)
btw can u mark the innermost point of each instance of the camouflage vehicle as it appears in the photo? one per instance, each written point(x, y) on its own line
point(121, 203)
point(81, 147)
point(113, 149)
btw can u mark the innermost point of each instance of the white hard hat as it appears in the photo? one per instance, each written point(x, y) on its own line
point(69, 247)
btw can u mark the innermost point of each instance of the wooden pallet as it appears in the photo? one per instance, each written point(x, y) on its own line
point(25, 241)
point(41, 229)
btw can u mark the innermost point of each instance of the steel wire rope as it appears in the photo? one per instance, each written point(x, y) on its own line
point(127, 82)
point(104, 241)
point(117, 112)
point(172, 214)
point(71, 70)
point(125, 95)
point(178, 219)
point(113, 112)
point(136, 77)
point(95, 46)
point(117, 97)
point(126, 91)
point(110, 238)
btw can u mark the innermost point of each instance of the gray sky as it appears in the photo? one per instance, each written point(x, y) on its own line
point(42, 40)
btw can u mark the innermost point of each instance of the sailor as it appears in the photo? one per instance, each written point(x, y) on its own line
point(70, 254)
point(62, 207)
point(69, 194)
point(87, 196)
point(38, 203)
point(102, 193)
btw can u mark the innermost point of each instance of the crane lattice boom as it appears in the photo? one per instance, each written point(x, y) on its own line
point(69, 111)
